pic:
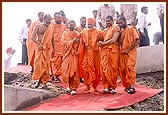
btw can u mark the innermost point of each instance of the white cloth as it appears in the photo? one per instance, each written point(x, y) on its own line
point(129, 11)
point(24, 33)
point(103, 12)
point(7, 60)
point(160, 9)
point(142, 22)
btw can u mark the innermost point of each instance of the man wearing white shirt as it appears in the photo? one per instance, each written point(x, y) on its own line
point(23, 38)
point(129, 11)
point(143, 27)
point(95, 12)
point(104, 11)
point(160, 12)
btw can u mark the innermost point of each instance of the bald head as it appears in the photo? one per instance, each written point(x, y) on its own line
point(47, 19)
point(47, 16)
point(121, 21)
point(41, 16)
point(83, 21)
point(121, 17)
point(57, 16)
point(71, 25)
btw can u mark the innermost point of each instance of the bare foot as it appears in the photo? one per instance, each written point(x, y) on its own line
point(87, 88)
point(95, 90)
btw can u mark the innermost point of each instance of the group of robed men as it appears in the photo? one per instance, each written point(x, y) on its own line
point(72, 53)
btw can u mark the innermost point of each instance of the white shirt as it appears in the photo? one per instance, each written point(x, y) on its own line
point(104, 11)
point(129, 11)
point(160, 9)
point(24, 33)
point(7, 60)
point(142, 23)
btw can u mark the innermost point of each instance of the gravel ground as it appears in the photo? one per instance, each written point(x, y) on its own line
point(155, 103)
point(153, 80)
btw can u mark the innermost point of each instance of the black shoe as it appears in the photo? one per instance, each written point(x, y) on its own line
point(81, 80)
point(56, 79)
point(126, 89)
point(131, 90)
point(31, 71)
point(20, 64)
point(37, 84)
point(53, 79)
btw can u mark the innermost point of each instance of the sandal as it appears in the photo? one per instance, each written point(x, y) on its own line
point(73, 92)
point(106, 90)
point(56, 79)
point(81, 80)
point(68, 90)
point(126, 89)
point(113, 91)
point(131, 90)
point(37, 84)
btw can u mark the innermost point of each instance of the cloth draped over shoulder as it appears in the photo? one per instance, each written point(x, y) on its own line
point(128, 61)
point(42, 57)
point(91, 58)
point(70, 71)
point(109, 64)
point(56, 60)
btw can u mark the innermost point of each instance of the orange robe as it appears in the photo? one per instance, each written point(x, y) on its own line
point(128, 61)
point(66, 23)
point(70, 72)
point(56, 60)
point(42, 57)
point(79, 29)
point(91, 58)
point(31, 44)
point(110, 59)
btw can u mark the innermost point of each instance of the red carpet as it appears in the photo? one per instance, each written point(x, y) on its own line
point(90, 101)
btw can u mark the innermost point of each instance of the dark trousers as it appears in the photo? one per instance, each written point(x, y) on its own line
point(162, 27)
point(144, 40)
point(24, 53)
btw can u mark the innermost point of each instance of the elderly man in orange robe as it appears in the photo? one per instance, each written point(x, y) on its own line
point(109, 64)
point(30, 43)
point(70, 70)
point(42, 36)
point(91, 58)
point(56, 60)
point(129, 41)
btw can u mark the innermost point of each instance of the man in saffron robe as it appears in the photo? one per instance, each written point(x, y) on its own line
point(42, 36)
point(30, 43)
point(129, 41)
point(70, 70)
point(79, 29)
point(91, 58)
point(56, 59)
point(82, 24)
point(109, 64)
point(65, 20)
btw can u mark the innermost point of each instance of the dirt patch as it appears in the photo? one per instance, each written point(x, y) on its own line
point(153, 80)
point(24, 80)
point(156, 103)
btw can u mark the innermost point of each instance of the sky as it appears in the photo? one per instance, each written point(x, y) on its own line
point(14, 15)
